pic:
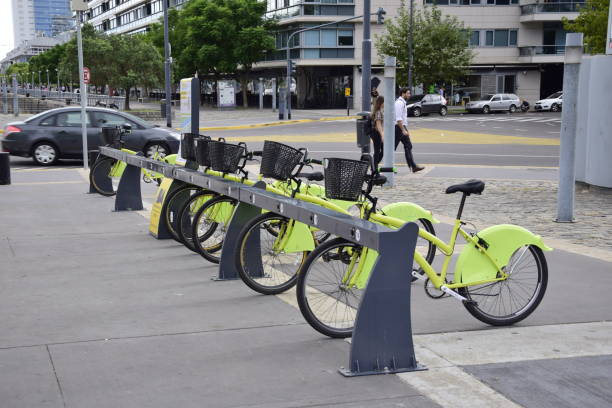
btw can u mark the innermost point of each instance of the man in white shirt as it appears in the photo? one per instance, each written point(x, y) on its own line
point(401, 129)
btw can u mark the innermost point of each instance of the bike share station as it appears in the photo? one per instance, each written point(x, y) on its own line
point(382, 336)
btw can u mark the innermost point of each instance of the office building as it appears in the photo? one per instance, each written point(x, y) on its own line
point(40, 18)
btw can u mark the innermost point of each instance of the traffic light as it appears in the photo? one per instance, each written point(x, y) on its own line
point(380, 15)
point(293, 68)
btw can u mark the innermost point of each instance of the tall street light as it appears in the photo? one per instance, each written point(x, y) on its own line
point(57, 77)
point(410, 51)
point(39, 81)
point(48, 82)
point(167, 67)
point(80, 6)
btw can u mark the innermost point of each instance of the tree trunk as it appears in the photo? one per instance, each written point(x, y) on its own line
point(243, 85)
point(127, 99)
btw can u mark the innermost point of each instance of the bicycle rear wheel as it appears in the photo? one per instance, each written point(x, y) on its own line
point(187, 215)
point(279, 269)
point(210, 226)
point(99, 176)
point(509, 301)
point(174, 204)
point(329, 305)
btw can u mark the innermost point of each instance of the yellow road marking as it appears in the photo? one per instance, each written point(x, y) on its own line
point(417, 136)
point(286, 122)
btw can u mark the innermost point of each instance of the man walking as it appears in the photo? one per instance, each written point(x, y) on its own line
point(401, 129)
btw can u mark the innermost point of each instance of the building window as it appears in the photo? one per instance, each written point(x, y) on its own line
point(345, 38)
point(311, 53)
point(501, 38)
point(513, 37)
point(489, 38)
point(328, 38)
point(311, 38)
point(474, 38)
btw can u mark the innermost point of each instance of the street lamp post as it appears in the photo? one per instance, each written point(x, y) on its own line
point(410, 46)
point(48, 82)
point(57, 77)
point(32, 81)
point(39, 81)
point(167, 67)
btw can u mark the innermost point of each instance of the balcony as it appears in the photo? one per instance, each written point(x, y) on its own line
point(549, 11)
point(542, 53)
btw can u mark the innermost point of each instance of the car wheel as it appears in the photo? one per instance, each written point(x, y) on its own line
point(160, 148)
point(512, 109)
point(443, 111)
point(486, 109)
point(554, 108)
point(416, 112)
point(45, 154)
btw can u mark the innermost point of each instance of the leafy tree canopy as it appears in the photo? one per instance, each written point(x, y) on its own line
point(593, 22)
point(440, 46)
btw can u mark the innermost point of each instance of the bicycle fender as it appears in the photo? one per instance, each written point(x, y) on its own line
point(117, 169)
point(170, 159)
point(408, 212)
point(222, 213)
point(300, 239)
point(503, 240)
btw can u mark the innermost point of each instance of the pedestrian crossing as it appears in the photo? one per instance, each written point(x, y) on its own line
point(487, 118)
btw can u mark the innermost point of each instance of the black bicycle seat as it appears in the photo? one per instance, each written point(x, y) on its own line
point(472, 186)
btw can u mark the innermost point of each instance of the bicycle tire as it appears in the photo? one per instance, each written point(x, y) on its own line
point(173, 206)
point(531, 303)
point(205, 226)
point(275, 278)
point(187, 214)
point(313, 298)
point(101, 168)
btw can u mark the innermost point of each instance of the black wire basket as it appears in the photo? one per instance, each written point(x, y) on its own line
point(225, 157)
point(111, 136)
point(203, 150)
point(188, 151)
point(279, 160)
point(344, 178)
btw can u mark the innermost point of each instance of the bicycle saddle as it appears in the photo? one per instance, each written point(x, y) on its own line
point(472, 186)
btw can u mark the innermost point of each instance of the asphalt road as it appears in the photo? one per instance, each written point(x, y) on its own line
point(522, 139)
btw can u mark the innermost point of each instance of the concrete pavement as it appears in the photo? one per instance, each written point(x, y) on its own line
point(97, 313)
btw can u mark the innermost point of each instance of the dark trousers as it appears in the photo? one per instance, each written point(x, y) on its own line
point(378, 147)
point(401, 137)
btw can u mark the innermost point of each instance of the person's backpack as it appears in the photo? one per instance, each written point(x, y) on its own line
point(369, 127)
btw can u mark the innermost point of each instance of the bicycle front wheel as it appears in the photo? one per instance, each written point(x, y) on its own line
point(327, 301)
point(187, 215)
point(174, 203)
point(278, 269)
point(210, 226)
point(513, 299)
point(100, 176)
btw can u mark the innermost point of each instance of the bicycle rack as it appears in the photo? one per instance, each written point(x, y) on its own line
point(382, 337)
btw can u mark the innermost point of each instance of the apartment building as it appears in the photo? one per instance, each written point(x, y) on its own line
point(40, 18)
point(518, 46)
point(125, 16)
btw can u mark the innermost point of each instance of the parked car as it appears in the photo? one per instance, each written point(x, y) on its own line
point(56, 134)
point(495, 102)
point(425, 104)
point(553, 103)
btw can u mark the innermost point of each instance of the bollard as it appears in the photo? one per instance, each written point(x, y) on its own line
point(5, 169)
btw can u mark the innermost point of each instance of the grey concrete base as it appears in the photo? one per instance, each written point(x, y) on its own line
point(564, 383)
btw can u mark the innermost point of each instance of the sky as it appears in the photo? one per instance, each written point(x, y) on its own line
point(6, 27)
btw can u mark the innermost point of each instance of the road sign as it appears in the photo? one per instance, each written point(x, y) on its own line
point(347, 91)
point(86, 75)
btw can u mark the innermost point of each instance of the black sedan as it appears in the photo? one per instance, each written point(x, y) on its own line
point(57, 134)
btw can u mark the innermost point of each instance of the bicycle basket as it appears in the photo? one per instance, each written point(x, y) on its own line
point(344, 178)
point(188, 146)
point(279, 160)
point(225, 157)
point(111, 136)
point(203, 151)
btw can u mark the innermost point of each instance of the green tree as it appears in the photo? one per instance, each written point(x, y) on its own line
point(440, 46)
point(19, 68)
point(48, 60)
point(218, 38)
point(593, 23)
point(134, 61)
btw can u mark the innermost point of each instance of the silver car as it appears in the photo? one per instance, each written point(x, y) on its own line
point(495, 102)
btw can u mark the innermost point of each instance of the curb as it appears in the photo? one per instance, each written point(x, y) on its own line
point(279, 123)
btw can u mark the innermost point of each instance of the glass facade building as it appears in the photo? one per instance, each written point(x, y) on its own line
point(51, 16)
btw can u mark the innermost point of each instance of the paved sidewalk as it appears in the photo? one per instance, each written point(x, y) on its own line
point(97, 313)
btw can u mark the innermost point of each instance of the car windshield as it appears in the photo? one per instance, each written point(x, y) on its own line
point(488, 97)
point(415, 98)
point(555, 95)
